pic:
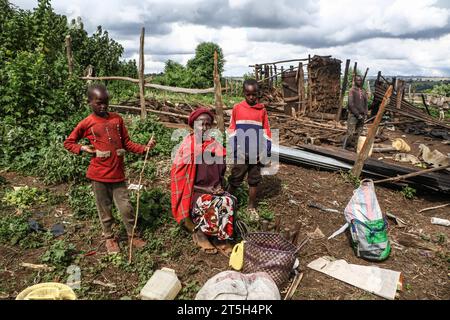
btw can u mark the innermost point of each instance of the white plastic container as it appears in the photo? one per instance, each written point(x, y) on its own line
point(163, 285)
point(441, 222)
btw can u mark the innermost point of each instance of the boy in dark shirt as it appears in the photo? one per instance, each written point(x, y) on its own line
point(357, 107)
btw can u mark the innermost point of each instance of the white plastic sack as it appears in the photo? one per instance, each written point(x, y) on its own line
point(233, 285)
point(363, 205)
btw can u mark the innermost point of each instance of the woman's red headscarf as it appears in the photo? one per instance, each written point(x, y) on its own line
point(183, 169)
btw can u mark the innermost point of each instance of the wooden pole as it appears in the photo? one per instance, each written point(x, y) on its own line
point(400, 87)
point(141, 76)
point(365, 75)
point(354, 73)
point(271, 79)
point(256, 72)
point(218, 95)
point(364, 153)
point(275, 73)
point(69, 54)
point(343, 89)
point(369, 90)
point(301, 88)
point(413, 174)
point(309, 85)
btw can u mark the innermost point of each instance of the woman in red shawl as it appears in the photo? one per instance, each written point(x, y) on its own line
point(199, 201)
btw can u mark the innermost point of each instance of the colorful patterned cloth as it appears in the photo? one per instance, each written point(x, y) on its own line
point(214, 215)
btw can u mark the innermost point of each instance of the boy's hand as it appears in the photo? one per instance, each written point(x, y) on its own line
point(151, 144)
point(88, 149)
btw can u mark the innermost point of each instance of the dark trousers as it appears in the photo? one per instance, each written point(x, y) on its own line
point(105, 193)
point(354, 130)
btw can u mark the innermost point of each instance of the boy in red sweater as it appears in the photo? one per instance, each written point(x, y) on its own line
point(251, 141)
point(109, 141)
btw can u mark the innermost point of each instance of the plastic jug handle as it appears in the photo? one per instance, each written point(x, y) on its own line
point(167, 269)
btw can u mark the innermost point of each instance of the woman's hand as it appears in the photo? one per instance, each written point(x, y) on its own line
point(218, 190)
point(88, 149)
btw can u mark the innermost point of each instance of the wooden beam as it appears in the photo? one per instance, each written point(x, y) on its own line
point(364, 153)
point(69, 54)
point(425, 104)
point(218, 95)
point(400, 86)
point(283, 61)
point(343, 89)
point(414, 174)
point(301, 87)
point(309, 85)
point(164, 113)
point(141, 75)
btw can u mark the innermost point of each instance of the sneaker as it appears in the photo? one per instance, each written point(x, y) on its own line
point(112, 246)
point(137, 242)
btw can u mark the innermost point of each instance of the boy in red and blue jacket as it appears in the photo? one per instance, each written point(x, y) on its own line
point(250, 139)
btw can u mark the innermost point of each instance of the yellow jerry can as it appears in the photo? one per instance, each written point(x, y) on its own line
point(237, 256)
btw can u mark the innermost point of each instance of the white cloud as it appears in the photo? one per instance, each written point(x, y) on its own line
point(394, 36)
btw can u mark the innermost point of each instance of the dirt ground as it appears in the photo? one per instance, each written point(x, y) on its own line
point(420, 250)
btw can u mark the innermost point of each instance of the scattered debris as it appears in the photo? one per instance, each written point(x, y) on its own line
point(57, 230)
point(133, 186)
point(316, 235)
point(35, 226)
point(435, 158)
point(103, 284)
point(382, 282)
point(401, 223)
point(293, 287)
point(406, 157)
point(321, 207)
point(441, 222)
point(413, 241)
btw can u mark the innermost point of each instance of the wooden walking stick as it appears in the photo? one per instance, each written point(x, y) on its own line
point(137, 202)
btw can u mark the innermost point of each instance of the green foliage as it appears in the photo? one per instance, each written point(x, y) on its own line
point(265, 212)
point(25, 197)
point(13, 228)
point(82, 201)
point(154, 207)
point(198, 72)
point(59, 254)
point(40, 102)
point(141, 131)
point(189, 290)
point(350, 178)
point(441, 89)
point(408, 192)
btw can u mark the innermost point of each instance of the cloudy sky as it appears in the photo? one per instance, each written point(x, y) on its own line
point(402, 37)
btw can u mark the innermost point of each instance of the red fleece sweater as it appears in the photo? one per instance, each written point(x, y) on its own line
point(105, 134)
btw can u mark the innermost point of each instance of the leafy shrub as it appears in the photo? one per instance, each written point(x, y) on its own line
point(82, 201)
point(59, 254)
point(13, 228)
point(25, 197)
point(408, 192)
point(154, 207)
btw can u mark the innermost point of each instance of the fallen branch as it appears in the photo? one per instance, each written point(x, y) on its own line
point(409, 175)
point(103, 284)
point(37, 266)
point(436, 207)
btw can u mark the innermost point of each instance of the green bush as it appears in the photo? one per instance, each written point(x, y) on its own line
point(25, 197)
point(13, 228)
point(59, 254)
point(154, 207)
point(82, 201)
